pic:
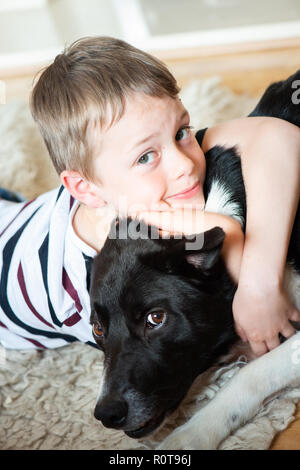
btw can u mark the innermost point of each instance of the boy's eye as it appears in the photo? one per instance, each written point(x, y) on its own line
point(146, 159)
point(183, 132)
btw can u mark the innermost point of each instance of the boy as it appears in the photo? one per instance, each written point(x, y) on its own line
point(116, 130)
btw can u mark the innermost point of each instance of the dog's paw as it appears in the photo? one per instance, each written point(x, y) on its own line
point(175, 441)
point(189, 438)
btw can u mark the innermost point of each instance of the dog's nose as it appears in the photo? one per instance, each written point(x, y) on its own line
point(112, 413)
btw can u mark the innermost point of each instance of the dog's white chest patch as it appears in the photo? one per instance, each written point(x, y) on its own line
point(218, 201)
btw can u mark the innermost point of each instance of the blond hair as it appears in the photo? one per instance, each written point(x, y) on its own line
point(92, 75)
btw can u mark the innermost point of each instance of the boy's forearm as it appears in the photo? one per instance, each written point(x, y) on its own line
point(271, 170)
point(270, 156)
point(232, 249)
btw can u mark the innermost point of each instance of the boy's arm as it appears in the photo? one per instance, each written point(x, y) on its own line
point(195, 220)
point(270, 157)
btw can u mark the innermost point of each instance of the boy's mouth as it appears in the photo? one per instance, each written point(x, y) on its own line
point(188, 193)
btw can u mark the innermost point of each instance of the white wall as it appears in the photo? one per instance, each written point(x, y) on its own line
point(77, 18)
point(32, 32)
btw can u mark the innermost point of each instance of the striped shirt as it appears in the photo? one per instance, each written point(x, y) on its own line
point(44, 274)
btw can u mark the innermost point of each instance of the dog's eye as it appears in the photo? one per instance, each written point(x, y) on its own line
point(156, 319)
point(97, 330)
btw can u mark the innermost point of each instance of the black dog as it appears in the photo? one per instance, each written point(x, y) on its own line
point(163, 317)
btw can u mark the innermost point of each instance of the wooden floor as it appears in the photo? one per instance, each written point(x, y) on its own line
point(244, 69)
point(289, 439)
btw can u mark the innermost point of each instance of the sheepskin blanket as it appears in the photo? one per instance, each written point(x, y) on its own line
point(47, 398)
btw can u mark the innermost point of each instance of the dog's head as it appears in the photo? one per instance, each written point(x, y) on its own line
point(162, 315)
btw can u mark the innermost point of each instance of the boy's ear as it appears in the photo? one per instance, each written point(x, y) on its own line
point(82, 189)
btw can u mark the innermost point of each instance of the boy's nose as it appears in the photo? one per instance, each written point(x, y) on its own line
point(179, 164)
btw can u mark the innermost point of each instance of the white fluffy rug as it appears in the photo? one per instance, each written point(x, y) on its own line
point(47, 398)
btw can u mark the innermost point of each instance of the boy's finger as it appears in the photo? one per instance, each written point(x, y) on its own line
point(295, 315)
point(259, 348)
point(239, 330)
point(288, 330)
point(152, 218)
point(163, 220)
point(155, 207)
point(273, 343)
point(161, 206)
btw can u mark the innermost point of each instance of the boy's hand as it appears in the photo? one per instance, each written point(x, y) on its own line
point(262, 313)
point(187, 220)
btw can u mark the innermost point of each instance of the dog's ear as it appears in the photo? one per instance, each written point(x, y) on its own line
point(207, 256)
point(203, 257)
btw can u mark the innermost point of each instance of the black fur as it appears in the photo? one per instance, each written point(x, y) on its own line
point(149, 370)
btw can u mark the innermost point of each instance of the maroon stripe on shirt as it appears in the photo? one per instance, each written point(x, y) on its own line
point(36, 343)
point(68, 286)
point(72, 200)
point(3, 326)
point(25, 205)
point(26, 296)
point(73, 319)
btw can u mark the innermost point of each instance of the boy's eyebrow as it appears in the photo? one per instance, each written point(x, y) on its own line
point(140, 142)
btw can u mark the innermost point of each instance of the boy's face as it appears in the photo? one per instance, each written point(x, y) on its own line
point(149, 156)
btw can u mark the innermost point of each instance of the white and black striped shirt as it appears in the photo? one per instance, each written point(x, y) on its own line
point(44, 274)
